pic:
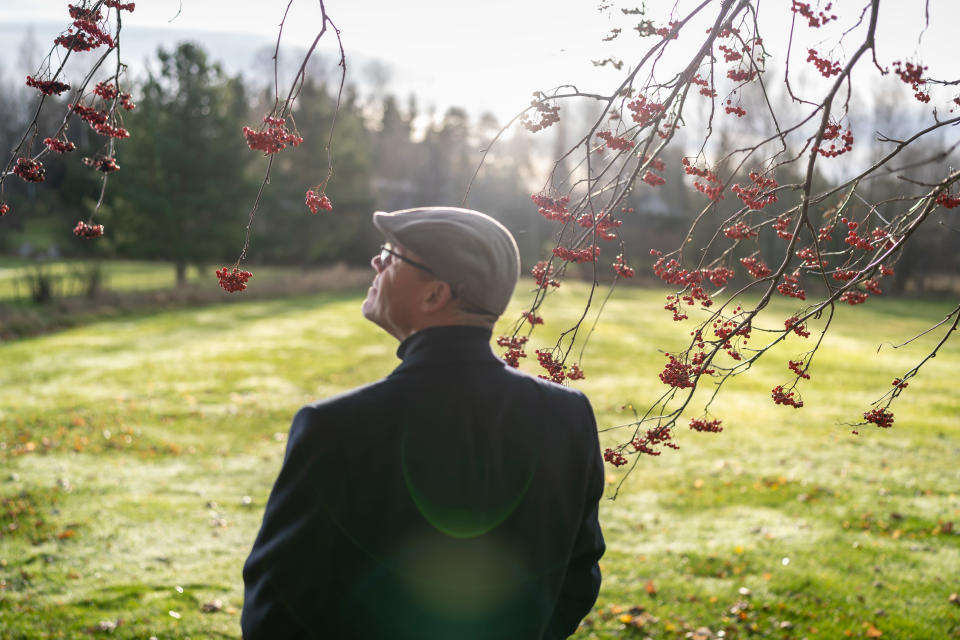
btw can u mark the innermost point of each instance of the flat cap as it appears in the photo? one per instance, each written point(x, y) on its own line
point(471, 251)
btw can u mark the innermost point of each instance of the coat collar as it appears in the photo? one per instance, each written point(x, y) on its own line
point(444, 345)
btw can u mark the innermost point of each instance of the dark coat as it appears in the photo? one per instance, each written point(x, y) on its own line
point(456, 499)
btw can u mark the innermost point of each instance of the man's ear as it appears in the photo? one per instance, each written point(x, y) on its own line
point(437, 296)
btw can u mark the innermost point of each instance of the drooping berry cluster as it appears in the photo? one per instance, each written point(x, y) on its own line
point(621, 267)
point(273, 138)
point(815, 20)
point(809, 257)
point(317, 200)
point(853, 297)
point(577, 256)
point(575, 373)
point(47, 87)
point(532, 318)
point(832, 132)
point(827, 68)
point(751, 195)
point(547, 114)
point(678, 374)
point(853, 239)
point(712, 188)
point(882, 417)
point(116, 4)
point(552, 209)
point(785, 397)
point(514, 347)
point(615, 142)
point(104, 164)
point(653, 179)
point(736, 110)
point(614, 457)
point(89, 35)
point(706, 426)
point(4, 209)
point(58, 145)
point(740, 230)
point(797, 367)
point(793, 324)
point(948, 201)
point(644, 111)
point(232, 281)
point(790, 286)
point(656, 436)
point(912, 74)
point(88, 231)
point(756, 267)
point(554, 367)
point(604, 224)
point(780, 226)
point(29, 170)
point(541, 273)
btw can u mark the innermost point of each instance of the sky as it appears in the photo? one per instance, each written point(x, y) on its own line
point(488, 56)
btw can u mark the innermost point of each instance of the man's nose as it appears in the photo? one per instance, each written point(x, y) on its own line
point(375, 263)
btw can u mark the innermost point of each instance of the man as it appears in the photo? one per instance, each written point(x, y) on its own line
point(454, 499)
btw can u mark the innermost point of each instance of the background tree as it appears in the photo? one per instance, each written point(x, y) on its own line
point(186, 167)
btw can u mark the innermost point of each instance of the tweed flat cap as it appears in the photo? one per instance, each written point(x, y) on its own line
point(470, 250)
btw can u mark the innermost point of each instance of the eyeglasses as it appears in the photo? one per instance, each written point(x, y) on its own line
point(386, 252)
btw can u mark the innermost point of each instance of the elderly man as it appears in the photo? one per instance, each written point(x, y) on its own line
point(454, 499)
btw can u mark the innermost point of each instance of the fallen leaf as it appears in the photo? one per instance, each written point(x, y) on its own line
point(66, 533)
point(650, 588)
point(873, 632)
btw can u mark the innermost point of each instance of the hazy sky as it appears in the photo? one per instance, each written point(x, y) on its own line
point(490, 54)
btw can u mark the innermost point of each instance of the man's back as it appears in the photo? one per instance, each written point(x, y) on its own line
point(456, 498)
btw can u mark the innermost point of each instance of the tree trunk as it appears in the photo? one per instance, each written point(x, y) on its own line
point(181, 268)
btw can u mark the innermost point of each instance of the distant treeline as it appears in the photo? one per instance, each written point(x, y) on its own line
point(187, 180)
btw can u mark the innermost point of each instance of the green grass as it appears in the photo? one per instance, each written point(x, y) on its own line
point(137, 455)
point(118, 275)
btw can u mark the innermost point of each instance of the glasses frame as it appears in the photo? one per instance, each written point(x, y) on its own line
point(386, 251)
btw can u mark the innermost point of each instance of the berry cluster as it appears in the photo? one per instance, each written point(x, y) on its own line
point(832, 132)
point(814, 20)
point(854, 297)
point(844, 274)
point(577, 256)
point(824, 233)
point(797, 367)
point(880, 417)
point(912, 74)
point(735, 110)
point(47, 87)
point(809, 257)
point(89, 35)
point(532, 318)
point(780, 226)
point(29, 170)
point(827, 68)
point(58, 145)
point(654, 437)
point(232, 281)
point(714, 192)
point(553, 367)
point(548, 114)
point(552, 209)
point(756, 267)
point(785, 397)
point(678, 374)
point(751, 195)
point(621, 267)
point(791, 286)
point(741, 75)
point(729, 54)
point(653, 179)
point(106, 164)
point(740, 230)
point(655, 163)
point(541, 273)
point(4, 209)
point(116, 4)
point(871, 285)
point(643, 111)
point(793, 324)
point(615, 142)
point(706, 426)
point(900, 384)
point(275, 137)
point(604, 225)
point(615, 458)
point(514, 349)
point(106, 90)
point(88, 231)
point(317, 200)
point(948, 201)
point(575, 373)
point(853, 239)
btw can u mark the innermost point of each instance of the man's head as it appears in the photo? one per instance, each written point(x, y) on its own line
point(441, 266)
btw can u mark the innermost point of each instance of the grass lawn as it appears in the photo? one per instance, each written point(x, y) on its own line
point(137, 455)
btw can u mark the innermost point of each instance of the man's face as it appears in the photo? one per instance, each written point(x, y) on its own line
point(394, 299)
